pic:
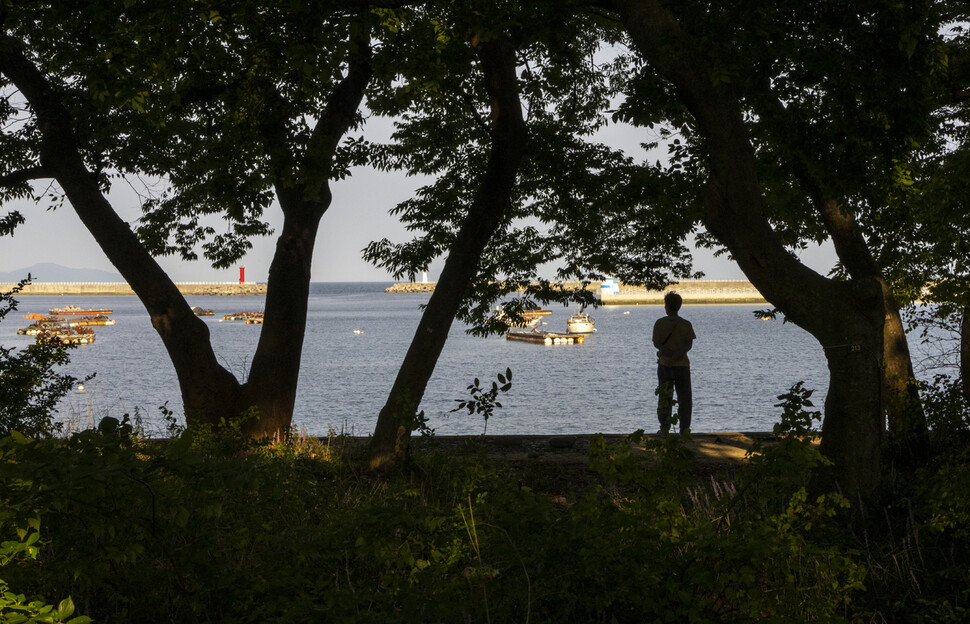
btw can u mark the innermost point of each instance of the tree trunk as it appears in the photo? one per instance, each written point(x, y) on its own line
point(275, 369)
point(901, 401)
point(965, 354)
point(396, 419)
point(846, 317)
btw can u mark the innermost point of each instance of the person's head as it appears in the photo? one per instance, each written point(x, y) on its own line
point(672, 302)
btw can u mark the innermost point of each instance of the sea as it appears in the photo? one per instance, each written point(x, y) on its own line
point(357, 335)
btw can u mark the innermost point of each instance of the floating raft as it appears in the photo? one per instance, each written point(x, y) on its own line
point(68, 335)
point(544, 337)
point(73, 309)
point(92, 320)
point(249, 317)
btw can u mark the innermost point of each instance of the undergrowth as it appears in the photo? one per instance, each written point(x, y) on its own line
point(199, 528)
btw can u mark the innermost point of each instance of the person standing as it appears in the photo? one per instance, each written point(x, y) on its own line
point(673, 337)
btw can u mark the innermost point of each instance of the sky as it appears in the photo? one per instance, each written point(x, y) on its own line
point(357, 216)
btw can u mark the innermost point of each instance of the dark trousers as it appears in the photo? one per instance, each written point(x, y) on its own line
point(674, 378)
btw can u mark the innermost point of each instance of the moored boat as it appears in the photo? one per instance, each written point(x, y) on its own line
point(196, 310)
point(580, 323)
point(530, 318)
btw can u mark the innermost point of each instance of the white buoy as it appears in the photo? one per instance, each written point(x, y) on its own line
point(548, 340)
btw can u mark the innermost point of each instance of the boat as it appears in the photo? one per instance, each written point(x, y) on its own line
point(530, 318)
point(100, 319)
point(73, 309)
point(580, 323)
point(196, 310)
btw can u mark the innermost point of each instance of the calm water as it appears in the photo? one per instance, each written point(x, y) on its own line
point(739, 365)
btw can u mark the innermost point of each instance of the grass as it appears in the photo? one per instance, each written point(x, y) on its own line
point(211, 528)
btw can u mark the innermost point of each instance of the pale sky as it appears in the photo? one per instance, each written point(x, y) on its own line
point(358, 215)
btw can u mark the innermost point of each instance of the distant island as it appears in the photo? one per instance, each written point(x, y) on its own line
point(50, 272)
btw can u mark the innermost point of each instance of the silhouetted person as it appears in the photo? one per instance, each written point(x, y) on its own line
point(673, 338)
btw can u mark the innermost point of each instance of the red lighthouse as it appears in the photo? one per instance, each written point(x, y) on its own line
point(242, 275)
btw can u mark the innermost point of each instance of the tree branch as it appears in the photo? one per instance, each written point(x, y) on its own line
point(840, 223)
point(25, 175)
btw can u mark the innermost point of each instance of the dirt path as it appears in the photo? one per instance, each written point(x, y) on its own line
point(714, 450)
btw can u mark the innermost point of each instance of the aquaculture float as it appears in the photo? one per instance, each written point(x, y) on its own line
point(248, 317)
point(100, 319)
point(543, 337)
point(67, 335)
point(73, 309)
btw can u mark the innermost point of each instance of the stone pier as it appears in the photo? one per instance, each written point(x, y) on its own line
point(693, 291)
point(90, 289)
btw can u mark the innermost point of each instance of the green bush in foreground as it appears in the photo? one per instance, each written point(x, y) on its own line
point(197, 530)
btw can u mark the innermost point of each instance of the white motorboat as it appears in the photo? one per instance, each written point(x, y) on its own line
point(580, 323)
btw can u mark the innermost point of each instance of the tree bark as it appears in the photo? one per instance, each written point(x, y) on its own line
point(845, 317)
point(396, 419)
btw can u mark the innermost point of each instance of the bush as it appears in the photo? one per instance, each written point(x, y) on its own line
point(30, 386)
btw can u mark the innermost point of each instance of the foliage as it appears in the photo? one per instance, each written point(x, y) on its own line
point(578, 205)
point(30, 386)
point(484, 401)
point(188, 529)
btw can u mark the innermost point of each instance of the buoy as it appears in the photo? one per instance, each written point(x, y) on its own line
point(358, 331)
point(80, 387)
point(579, 340)
point(627, 312)
point(548, 341)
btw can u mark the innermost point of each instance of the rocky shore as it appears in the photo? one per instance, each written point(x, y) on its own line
point(89, 289)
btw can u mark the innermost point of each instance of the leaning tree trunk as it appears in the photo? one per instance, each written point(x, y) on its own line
point(210, 393)
point(846, 318)
point(206, 386)
point(396, 419)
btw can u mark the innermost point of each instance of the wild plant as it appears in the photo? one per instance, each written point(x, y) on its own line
point(484, 401)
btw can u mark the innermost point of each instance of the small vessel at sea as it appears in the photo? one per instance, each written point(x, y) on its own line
point(530, 318)
point(580, 323)
point(196, 310)
point(73, 309)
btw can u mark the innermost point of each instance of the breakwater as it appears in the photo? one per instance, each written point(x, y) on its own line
point(693, 292)
point(88, 289)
